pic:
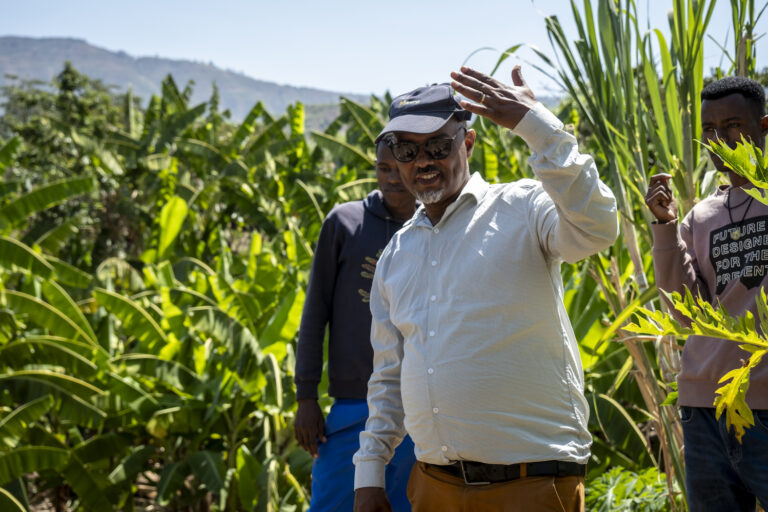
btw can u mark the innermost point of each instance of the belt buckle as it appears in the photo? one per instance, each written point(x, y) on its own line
point(464, 475)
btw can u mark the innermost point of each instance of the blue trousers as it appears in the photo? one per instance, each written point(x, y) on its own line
point(333, 473)
point(722, 474)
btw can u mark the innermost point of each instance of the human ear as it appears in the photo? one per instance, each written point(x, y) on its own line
point(469, 142)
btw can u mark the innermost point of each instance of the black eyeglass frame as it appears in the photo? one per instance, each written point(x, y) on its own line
point(392, 141)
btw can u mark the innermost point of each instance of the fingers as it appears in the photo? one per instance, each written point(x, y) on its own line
point(661, 177)
point(320, 432)
point(308, 437)
point(469, 87)
point(480, 77)
point(517, 77)
point(476, 108)
point(307, 441)
point(658, 196)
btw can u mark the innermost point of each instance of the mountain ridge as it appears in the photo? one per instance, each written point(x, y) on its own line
point(43, 58)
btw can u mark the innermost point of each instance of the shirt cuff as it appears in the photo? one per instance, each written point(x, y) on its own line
point(536, 126)
point(306, 389)
point(666, 235)
point(370, 473)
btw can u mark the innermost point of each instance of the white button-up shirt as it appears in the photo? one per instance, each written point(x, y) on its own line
point(474, 354)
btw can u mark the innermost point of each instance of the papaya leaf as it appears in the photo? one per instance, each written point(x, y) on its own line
point(746, 160)
point(732, 397)
point(708, 320)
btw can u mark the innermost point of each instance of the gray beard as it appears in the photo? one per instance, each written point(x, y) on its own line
point(430, 196)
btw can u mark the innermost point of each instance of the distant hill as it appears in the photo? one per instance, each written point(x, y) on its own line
point(42, 59)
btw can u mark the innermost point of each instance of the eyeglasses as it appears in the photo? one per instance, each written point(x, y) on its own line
point(436, 149)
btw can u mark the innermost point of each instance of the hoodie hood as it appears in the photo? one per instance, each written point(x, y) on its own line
point(374, 203)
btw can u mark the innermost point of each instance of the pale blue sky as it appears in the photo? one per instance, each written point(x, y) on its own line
point(346, 45)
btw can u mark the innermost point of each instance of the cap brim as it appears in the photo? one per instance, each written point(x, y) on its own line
point(416, 123)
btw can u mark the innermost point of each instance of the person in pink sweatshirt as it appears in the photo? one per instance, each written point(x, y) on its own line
point(719, 250)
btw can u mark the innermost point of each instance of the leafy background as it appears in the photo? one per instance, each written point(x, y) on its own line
point(153, 257)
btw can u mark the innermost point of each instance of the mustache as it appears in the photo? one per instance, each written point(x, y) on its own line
point(429, 168)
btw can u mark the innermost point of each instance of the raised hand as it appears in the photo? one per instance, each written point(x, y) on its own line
point(309, 425)
point(660, 199)
point(503, 104)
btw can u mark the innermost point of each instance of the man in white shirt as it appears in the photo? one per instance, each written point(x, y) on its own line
point(474, 354)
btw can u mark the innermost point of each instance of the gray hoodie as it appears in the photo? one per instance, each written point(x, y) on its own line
point(725, 257)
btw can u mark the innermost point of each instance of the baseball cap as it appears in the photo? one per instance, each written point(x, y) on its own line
point(424, 110)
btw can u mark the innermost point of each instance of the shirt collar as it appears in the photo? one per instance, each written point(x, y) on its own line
point(476, 188)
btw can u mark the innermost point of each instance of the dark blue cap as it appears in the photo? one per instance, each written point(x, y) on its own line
point(424, 110)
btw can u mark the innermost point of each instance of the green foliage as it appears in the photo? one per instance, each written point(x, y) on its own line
point(153, 260)
point(159, 341)
point(708, 320)
point(618, 490)
point(746, 160)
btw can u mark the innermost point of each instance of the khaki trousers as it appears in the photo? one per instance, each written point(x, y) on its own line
point(432, 490)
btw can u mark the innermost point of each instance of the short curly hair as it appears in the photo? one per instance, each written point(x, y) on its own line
point(750, 89)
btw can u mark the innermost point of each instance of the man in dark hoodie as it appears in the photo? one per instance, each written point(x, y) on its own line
point(720, 251)
point(351, 239)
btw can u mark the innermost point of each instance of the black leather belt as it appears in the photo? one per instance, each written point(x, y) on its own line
point(478, 473)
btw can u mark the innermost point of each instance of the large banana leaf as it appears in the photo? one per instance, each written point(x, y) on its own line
point(44, 197)
point(208, 468)
point(29, 459)
point(135, 319)
point(14, 253)
point(45, 315)
point(9, 503)
point(59, 299)
point(171, 220)
point(14, 425)
point(8, 150)
point(47, 352)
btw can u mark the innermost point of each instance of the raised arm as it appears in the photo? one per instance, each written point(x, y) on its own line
point(674, 263)
point(575, 213)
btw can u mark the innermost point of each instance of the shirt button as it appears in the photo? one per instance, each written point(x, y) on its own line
point(435, 410)
point(433, 298)
point(436, 230)
point(434, 263)
point(430, 371)
point(431, 333)
point(444, 448)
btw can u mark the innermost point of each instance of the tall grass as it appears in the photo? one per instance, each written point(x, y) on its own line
point(637, 92)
